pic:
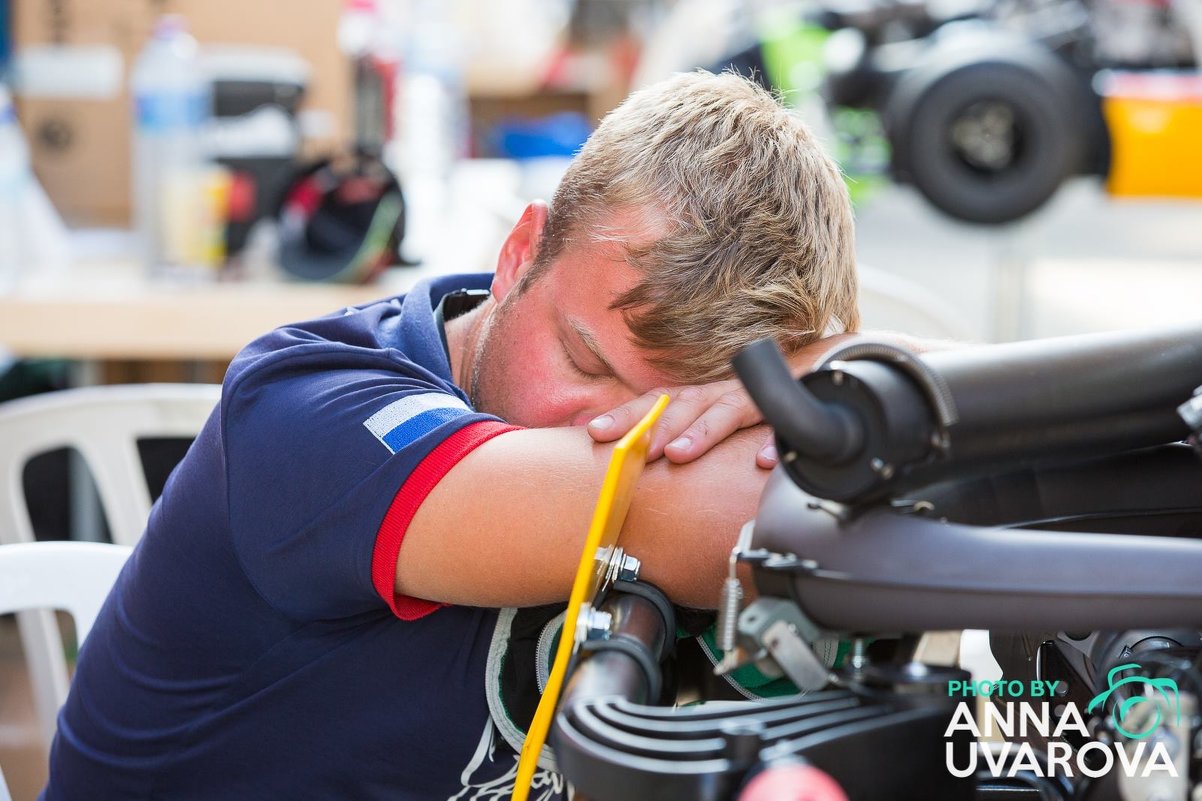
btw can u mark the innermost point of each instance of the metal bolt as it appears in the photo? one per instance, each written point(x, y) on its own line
point(628, 568)
point(598, 624)
point(859, 655)
point(582, 619)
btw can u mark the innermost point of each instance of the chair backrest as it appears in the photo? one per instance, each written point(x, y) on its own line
point(72, 576)
point(104, 425)
point(36, 577)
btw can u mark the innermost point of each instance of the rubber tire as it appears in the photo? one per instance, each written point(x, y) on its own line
point(1047, 103)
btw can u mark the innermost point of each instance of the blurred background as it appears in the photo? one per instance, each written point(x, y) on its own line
point(178, 176)
point(1020, 167)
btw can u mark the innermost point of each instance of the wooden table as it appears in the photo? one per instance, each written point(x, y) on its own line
point(104, 311)
point(102, 308)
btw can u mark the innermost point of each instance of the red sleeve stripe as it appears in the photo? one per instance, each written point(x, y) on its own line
point(405, 505)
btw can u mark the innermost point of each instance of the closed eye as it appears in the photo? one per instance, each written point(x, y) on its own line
point(576, 366)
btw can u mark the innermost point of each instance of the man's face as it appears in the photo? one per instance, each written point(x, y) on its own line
point(556, 354)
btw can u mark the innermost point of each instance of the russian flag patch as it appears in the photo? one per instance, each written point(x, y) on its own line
point(412, 417)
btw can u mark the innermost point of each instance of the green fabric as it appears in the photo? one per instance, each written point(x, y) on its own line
point(753, 680)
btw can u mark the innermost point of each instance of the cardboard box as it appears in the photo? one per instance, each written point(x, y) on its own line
point(79, 142)
point(74, 105)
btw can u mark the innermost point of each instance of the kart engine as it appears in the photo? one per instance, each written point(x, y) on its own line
point(1032, 490)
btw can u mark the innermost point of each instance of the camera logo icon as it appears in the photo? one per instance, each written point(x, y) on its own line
point(1137, 701)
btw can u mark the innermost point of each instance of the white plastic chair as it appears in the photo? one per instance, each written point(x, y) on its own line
point(103, 425)
point(73, 576)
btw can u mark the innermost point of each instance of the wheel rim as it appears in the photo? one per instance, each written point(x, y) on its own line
point(986, 136)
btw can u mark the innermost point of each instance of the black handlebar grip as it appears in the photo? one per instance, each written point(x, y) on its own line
point(803, 423)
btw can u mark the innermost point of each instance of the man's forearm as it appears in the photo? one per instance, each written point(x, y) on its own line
point(686, 518)
point(505, 527)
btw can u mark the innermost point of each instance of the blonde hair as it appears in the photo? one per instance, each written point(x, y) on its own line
point(756, 235)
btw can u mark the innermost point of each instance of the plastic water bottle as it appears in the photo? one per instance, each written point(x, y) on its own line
point(33, 239)
point(172, 108)
point(14, 181)
point(433, 123)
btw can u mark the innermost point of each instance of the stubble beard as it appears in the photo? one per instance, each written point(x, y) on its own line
point(473, 387)
point(488, 394)
point(476, 391)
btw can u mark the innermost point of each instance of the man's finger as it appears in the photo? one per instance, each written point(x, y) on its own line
point(732, 411)
point(688, 404)
point(767, 457)
point(617, 421)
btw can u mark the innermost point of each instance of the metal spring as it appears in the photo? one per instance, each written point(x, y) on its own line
point(728, 613)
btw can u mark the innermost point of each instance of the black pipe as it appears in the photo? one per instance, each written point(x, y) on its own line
point(641, 632)
point(824, 431)
point(1099, 393)
point(1017, 404)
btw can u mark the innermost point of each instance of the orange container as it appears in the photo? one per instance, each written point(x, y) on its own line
point(1155, 122)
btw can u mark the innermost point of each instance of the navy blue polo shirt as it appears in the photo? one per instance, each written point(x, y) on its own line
point(253, 647)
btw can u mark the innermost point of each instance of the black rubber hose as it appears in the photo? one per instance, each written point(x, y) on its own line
point(822, 431)
point(864, 429)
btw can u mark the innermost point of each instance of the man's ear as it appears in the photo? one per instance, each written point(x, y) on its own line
point(519, 250)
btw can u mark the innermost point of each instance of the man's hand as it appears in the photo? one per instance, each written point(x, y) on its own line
point(702, 415)
point(698, 418)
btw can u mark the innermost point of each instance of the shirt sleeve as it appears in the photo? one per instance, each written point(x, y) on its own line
point(327, 461)
point(445, 455)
